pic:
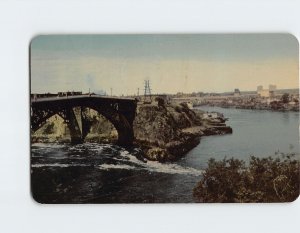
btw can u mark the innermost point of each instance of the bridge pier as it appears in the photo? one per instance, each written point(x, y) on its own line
point(77, 123)
point(125, 132)
point(125, 139)
point(74, 125)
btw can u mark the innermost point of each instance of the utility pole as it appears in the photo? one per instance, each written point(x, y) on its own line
point(138, 93)
point(110, 91)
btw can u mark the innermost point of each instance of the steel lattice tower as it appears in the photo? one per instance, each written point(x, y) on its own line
point(147, 93)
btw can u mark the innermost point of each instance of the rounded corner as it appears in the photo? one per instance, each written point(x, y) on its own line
point(35, 199)
point(294, 37)
point(296, 198)
point(34, 38)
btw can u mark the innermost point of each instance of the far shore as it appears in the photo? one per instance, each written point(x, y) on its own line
point(265, 108)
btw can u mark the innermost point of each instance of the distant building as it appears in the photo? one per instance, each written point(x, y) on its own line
point(236, 92)
point(272, 87)
point(260, 88)
point(266, 93)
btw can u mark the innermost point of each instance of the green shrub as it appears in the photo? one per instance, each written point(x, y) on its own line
point(263, 180)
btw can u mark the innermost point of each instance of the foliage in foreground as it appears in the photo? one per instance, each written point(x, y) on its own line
point(263, 180)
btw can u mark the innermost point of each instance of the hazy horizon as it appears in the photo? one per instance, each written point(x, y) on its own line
point(173, 63)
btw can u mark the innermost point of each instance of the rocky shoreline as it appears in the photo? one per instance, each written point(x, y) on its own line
point(163, 132)
point(168, 132)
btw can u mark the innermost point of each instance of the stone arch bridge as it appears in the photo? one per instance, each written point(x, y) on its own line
point(119, 111)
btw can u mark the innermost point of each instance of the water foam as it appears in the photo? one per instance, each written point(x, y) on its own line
point(58, 165)
point(173, 168)
point(40, 145)
point(116, 166)
point(153, 166)
point(126, 159)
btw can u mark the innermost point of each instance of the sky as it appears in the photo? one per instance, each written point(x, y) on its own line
point(173, 63)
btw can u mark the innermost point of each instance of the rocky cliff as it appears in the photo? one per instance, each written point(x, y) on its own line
point(168, 132)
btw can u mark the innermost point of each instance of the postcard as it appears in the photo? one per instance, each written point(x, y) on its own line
point(164, 118)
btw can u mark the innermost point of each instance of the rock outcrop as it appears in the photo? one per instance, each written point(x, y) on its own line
point(168, 132)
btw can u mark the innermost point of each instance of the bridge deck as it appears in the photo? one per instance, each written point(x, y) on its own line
point(81, 97)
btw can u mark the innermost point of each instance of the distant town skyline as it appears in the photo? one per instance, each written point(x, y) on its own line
point(172, 63)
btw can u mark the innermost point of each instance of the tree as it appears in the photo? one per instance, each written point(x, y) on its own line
point(285, 98)
point(263, 180)
point(160, 101)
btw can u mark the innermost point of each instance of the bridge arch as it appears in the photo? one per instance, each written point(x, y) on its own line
point(120, 112)
point(119, 121)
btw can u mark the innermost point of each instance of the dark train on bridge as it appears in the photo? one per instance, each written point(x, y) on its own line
point(59, 94)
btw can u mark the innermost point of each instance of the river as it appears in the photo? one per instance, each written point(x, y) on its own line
point(96, 173)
